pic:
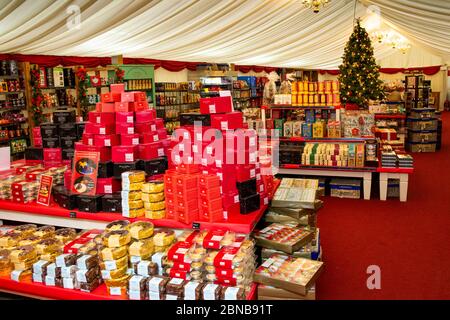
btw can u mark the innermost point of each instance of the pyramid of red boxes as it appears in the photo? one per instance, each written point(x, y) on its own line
point(125, 132)
point(214, 170)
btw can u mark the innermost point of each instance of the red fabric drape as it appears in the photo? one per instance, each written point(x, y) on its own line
point(247, 69)
point(429, 71)
point(91, 62)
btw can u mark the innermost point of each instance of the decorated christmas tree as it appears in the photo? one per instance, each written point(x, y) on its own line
point(360, 77)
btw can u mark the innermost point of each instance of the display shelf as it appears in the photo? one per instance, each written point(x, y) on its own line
point(303, 139)
point(291, 107)
point(317, 167)
point(12, 92)
point(37, 290)
point(389, 116)
point(395, 170)
point(35, 213)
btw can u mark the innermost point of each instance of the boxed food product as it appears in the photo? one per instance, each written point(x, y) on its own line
point(292, 274)
point(345, 188)
point(88, 203)
point(215, 105)
point(284, 238)
point(227, 121)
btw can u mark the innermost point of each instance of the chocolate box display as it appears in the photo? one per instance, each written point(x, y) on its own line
point(64, 198)
point(49, 130)
point(64, 116)
point(50, 142)
point(284, 238)
point(105, 169)
point(91, 204)
point(293, 274)
point(189, 119)
point(156, 166)
point(119, 168)
point(80, 129)
point(247, 188)
point(112, 202)
point(250, 203)
point(33, 153)
point(67, 130)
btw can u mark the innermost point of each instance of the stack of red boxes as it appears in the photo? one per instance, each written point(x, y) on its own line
point(230, 181)
point(125, 131)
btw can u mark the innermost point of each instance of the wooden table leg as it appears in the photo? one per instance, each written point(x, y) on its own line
point(383, 185)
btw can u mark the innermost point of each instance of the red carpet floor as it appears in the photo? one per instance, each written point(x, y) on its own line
point(409, 241)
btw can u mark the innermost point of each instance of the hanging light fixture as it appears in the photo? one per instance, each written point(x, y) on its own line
point(379, 36)
point(315, 5)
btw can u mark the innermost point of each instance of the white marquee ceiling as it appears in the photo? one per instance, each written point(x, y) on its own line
point(256, 32)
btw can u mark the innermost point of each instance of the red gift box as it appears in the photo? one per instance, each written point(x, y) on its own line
point(117, 87)
point(145, 116)
point(264, 199)
point(188, 181)
point(188, 168)
point(170, 212)
point(143, 127)
point(88, 139)
point(123, 106)
point(209, 181)
point(125, 117)
point(75, 245)
point(159, 124)
point(67, 178)
point(209, 193)
point(162, 133)
point(226, 281)
point(186, 205)
point(148, 137)
point(37, 141)
point(227, 121)
point(124, 128)
point(169, 197)
point(111, 97)
point(97, 128)
point(32, 176)
point(140, 105)
point(178, 252)
point(129, 139)
point(230, 198)
point(52, 154)
point(216, 105)
point(187, 216)
point(107, 140)
point(214, 216)
point(231, 210)
point(224, 259)
point(174, 273)
point(140, 96)
point(104, 107)
point(124, 153)
point(127, 97)
point(105, 152)
point(37, 132)
point(148, 151)
point(107, 186)
point(102, 117)
point(211, 205)
point(212, 240)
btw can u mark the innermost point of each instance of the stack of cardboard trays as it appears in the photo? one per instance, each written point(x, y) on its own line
point(290, 244)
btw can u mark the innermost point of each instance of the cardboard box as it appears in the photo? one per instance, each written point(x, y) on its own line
point(272, 293)
point(284, 238)
point(300, 283)
point(117, 87)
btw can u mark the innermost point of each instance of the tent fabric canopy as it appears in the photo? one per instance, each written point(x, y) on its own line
point(276, 33)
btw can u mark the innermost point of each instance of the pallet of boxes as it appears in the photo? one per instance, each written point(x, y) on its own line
point(290, 243)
